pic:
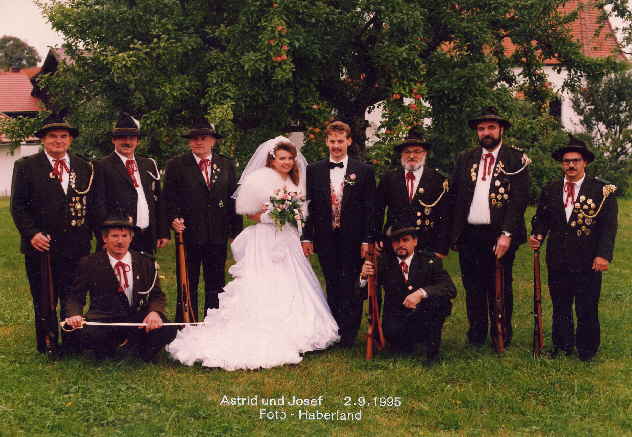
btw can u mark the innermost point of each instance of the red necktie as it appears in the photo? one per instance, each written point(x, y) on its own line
point(569, 189)
point(204, 165)
point(121, 270)
point(410, 183)
point(131, 171)
point(404, 268)
point(59, 166)
point(488, 165)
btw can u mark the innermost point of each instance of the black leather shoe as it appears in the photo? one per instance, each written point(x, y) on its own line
point(585, 356)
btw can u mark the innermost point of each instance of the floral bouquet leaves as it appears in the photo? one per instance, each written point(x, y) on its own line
point(286, 207)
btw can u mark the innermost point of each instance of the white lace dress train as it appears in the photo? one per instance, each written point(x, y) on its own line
point(274, 310)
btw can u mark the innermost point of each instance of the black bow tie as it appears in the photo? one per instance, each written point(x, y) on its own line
point(336, 164)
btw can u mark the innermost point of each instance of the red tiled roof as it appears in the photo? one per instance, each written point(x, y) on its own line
point(30, 72)
point(597, 38)
point(15, 93)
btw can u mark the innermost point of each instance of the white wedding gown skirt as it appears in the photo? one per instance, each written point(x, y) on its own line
point(272, 312)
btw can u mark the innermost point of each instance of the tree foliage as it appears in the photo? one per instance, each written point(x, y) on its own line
point(605, 108)
point(257, 68)
point(16, 53)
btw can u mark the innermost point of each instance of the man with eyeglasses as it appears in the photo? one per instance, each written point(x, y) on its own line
point(579, 214)
point(416, 192)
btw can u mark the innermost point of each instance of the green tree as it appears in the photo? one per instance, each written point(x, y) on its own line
point(16, 53)
point(605, 108)
point(257, 68)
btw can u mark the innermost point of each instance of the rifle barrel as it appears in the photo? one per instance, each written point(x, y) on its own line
point(538, 333)
point(183, 281)
point(499, 308)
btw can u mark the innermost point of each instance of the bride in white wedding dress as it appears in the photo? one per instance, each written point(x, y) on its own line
point(274, 310)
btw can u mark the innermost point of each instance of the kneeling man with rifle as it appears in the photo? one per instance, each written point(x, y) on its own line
point(124, 289)
point(417, 292)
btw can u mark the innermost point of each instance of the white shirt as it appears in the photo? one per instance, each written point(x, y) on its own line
point(337, 176)
point(418, 173)
point(479, 209)
point(127, 259)
point(65, 177)
point(142, 208)
point(578, 185)
point(408, 261)
point(197, 161)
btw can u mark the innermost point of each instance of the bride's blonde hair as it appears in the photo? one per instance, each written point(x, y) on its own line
point(290, 148)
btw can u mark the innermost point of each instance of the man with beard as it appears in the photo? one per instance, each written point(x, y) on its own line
point(490, 190)
point(124, 287)
point(579, 214)
point(341, 195)
point(129, 185)
point(417, 192)
point(417, 292)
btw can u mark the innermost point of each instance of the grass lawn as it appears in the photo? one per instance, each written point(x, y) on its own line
point(470, 392)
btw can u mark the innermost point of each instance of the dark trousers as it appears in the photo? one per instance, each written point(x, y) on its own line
point(478, 266)
point(341, 268)
point(404, 328)
point(582, 288)
point(63, 271)
point(144, 241)
point(212, 258)
point(104, 340)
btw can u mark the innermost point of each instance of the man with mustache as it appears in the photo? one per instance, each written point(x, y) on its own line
point(417, 192)
point(489, 191)
point(124, 287)
point(579, 214)
point(129, 185)
point(417, 292)
point(341, 195)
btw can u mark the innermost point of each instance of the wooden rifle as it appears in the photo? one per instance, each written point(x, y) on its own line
point(48, 305)
point(375, 332)
point(184, 292)
point(499, 308)
point(538, 333)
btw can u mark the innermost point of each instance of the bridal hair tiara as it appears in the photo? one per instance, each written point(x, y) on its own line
point(259, 158)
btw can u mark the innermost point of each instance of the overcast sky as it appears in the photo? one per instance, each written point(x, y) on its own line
point(23, 19)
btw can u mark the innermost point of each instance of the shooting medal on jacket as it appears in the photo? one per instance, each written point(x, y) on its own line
point(474, 172)
point(502, 186)
point(77, 206)
point(215, 172)
point(587, 211)
point(500, 192)
point(427, 207)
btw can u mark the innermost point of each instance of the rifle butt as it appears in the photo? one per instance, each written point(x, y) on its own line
point(183, 281)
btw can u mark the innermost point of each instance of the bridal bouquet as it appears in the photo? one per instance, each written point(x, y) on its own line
point(285, 207)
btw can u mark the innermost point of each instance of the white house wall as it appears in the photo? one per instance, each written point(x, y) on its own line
point(7, 159)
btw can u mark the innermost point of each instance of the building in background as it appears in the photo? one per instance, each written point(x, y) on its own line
point(15, 101)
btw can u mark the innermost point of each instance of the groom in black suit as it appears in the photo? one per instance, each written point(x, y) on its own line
point(341, 192)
